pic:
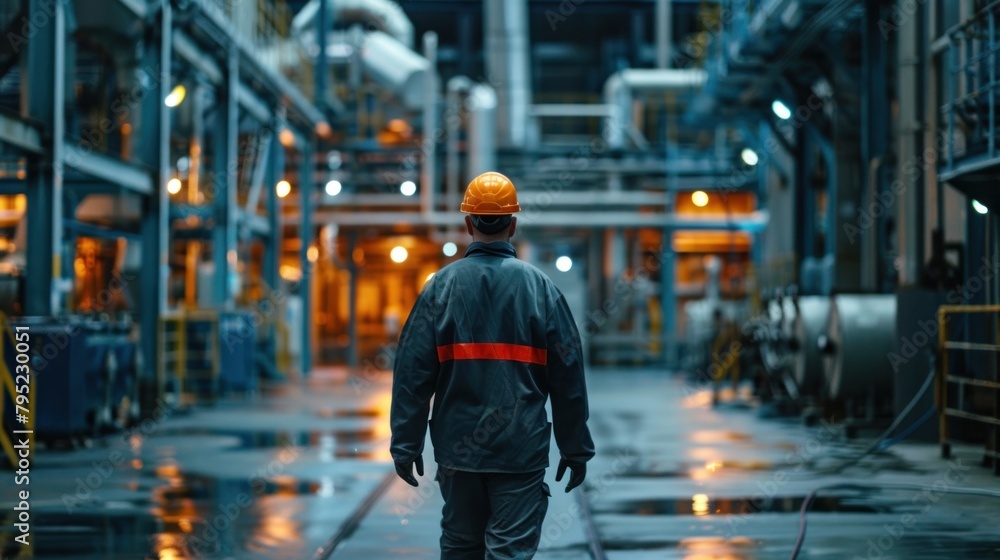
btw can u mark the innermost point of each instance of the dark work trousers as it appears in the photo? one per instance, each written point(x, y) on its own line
point(496, 516)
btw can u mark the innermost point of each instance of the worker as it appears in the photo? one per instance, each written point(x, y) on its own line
point(491, 338)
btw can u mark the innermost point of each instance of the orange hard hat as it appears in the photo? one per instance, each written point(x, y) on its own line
point(490, 193)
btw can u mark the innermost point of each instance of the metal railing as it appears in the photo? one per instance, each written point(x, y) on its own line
point(189, 353)
point(972, 88)
point(968, 387)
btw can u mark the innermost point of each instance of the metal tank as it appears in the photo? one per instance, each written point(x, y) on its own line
point(860, 334)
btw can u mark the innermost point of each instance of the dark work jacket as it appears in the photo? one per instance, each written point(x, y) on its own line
point(490, 338)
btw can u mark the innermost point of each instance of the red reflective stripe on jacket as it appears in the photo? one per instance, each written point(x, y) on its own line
point(493, 351)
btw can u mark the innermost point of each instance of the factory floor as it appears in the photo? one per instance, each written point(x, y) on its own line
point(304, 467)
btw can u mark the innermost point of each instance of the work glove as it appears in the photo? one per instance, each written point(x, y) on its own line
point(405, 470)
point(578, 470)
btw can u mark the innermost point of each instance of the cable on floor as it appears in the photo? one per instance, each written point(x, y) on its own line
point(807, 503)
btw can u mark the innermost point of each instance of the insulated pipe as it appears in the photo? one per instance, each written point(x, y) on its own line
point(456, 87)
point(482, 105)
point(384, 15)
point(397, 68)
point(507, 65)
point(664, 30)
point(620, 87)
point(431, 129)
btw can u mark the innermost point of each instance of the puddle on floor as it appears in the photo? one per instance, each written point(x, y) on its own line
point(181, 516)
point(339, 443)
point(701, 504)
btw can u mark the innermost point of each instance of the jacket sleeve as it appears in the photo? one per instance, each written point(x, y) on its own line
point(414, 379)
point(567, 386)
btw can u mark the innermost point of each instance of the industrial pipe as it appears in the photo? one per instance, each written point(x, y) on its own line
point(507, 65)
point(621, 86)
point(383, 15)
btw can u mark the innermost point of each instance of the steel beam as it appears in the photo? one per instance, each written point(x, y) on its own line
point(225, 162)
point(275, 157)
point(529, 219)
point(46, 104)
point(109, 169)
point(154, 151)
point(306, 236)
point(19, 134)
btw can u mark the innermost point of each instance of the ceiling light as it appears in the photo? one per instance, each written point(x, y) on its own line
point(749, 156)
point(174, 185)
point(398, 254)
point(283, 188)
point(978, 207)
point(699, 199)
point(408, 188)
point(333, 187)
point(781, 110)
point(176, 96)
point(564, 263)
point(449, 249)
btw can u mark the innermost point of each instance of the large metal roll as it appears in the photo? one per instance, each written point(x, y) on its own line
point(860, 334)
point(808, 324)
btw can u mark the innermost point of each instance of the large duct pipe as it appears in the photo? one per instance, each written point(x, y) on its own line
point(506, 25)
point(482, 104)
point(395, 67)
point(621, 86)
point(664, 32)
point(383, 15)
point(431, 130)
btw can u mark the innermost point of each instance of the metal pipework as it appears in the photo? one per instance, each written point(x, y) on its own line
point(384, 15)
point(507, 64)
point(621, 86)
point(431, 130)
point(397, 68)
point(860, 335)
point(481, 103)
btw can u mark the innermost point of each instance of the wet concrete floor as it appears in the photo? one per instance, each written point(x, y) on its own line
point(287, 473)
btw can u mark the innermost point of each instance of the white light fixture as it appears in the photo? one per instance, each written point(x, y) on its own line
point(699, 199)
point(283, 188)
point(979, 207)
point(398, 254)
point(408, 188)
point(449, 249)
point(749, 156)
point(174, 186)
point(781, 110)
point(564, 263)
point(333, 187)
point(176, 96)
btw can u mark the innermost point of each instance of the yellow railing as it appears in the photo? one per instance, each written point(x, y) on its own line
point(945, 378)
point(177, 348)
point(8, 391)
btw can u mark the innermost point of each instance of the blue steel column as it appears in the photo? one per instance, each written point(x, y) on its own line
point(668, 299)
point(155, 152)
point(226, 164)
point(272, 243)
point(805, 198)
point(45, 97)
point(322, 69)
point(306, 235)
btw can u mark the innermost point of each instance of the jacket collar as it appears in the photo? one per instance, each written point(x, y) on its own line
point(495, 249)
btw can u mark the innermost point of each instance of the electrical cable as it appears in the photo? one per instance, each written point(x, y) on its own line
point(909, 430)
point(874, 445)
point(807, 502)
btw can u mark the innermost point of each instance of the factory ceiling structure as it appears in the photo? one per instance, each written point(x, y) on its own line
point(216, 218)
